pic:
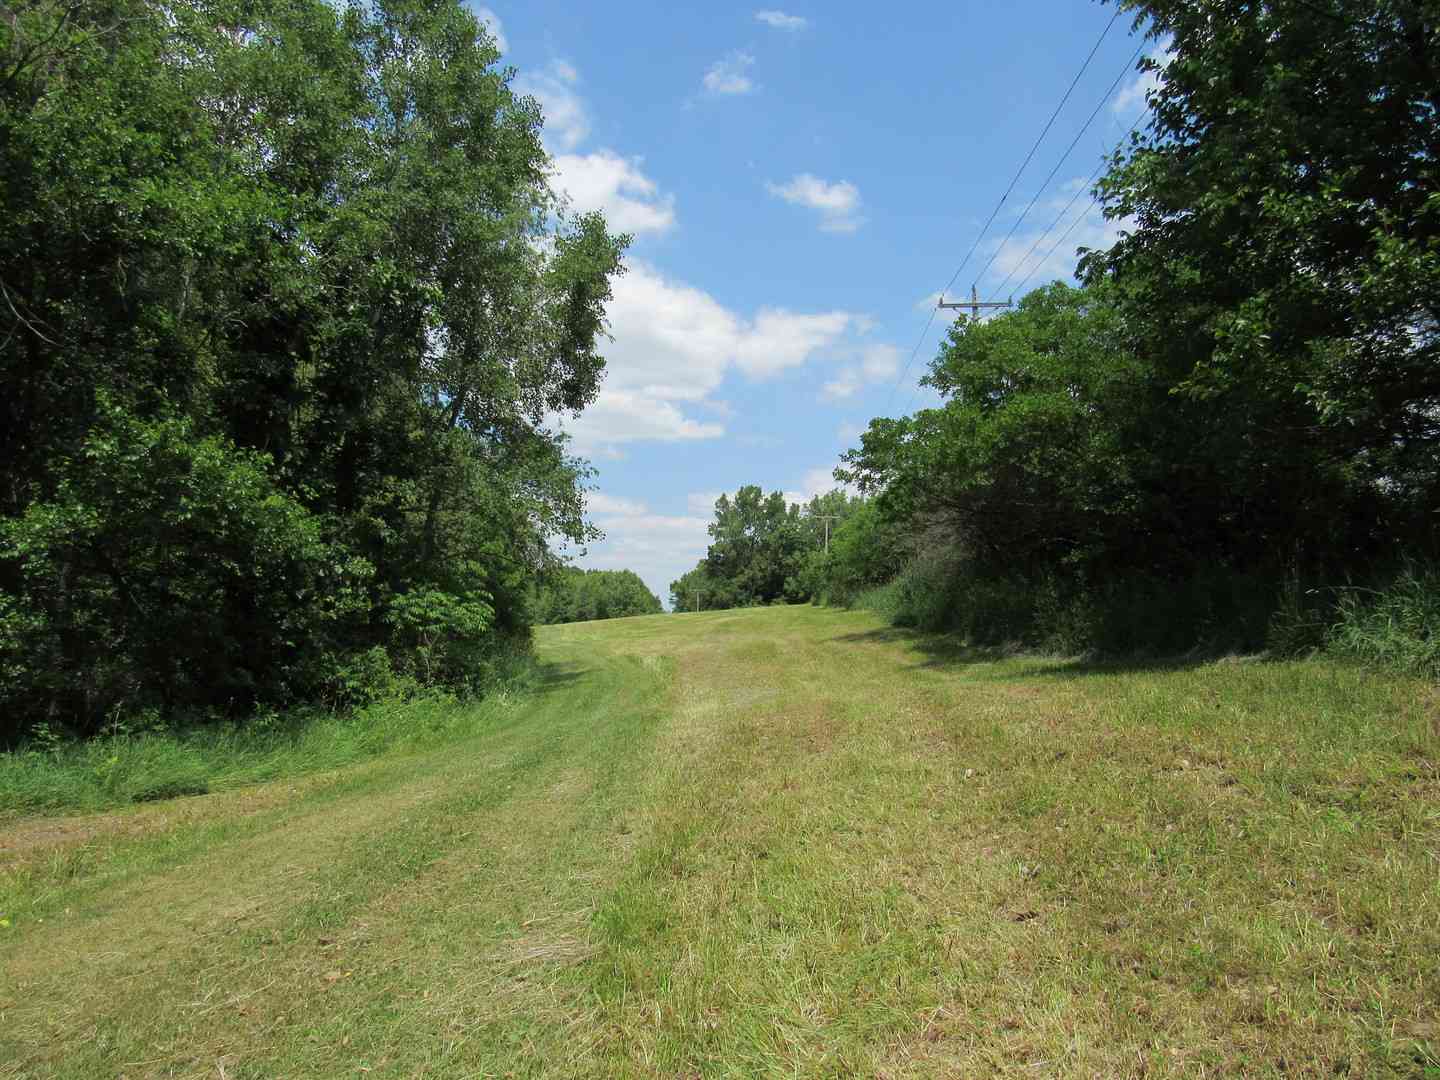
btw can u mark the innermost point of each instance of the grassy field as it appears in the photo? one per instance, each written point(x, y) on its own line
point(780, 842)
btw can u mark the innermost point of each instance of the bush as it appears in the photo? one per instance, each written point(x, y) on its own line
point(167, 572)
point(1139, 616)
point(440, 638)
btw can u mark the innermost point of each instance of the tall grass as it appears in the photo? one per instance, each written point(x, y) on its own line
point(129, 766)
point(1396, 627)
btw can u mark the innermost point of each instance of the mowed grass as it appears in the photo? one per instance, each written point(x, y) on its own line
point(117, 769)
point(779, 842)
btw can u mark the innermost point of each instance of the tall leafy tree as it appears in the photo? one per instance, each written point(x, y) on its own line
point(1282, 256)
point(311, 249)
point(758, 551)
point(1050, 435)
point(756, 542)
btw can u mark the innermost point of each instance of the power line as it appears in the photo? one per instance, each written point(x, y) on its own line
point(1063, 158)
point(906, 369)
point(1028, 157)
point(1073, 199)
point(1048, 124)
point(1055, 246)
point(1081, 190)
point(1071, 228)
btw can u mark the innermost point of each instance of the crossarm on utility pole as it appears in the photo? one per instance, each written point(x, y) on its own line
point(974, 304)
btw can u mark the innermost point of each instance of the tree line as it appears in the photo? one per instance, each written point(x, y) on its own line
point(286, 304)
point(1233, 423)
point(767, 550)
point(571, 594)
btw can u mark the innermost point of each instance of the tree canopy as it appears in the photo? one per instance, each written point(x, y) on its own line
point(1245, 393)
point(287, 302)
point(763, 550)
point(1283, 249)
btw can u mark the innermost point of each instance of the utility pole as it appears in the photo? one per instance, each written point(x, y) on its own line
point(827, 518)
point(975, 304)
point(697, 599)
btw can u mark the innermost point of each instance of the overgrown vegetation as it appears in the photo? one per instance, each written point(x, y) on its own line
point(287, 301)
point(137, 765)
point(1235, 423)
point(1396, 627)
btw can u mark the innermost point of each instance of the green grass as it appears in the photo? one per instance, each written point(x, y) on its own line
point(775, 842)
point(121, 768)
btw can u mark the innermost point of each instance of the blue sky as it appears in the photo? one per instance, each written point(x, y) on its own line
point(800, 182)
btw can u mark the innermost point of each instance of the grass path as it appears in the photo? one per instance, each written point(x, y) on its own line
point(780, 842)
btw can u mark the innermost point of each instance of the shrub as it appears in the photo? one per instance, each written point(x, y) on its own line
point(1137, 616)
point(441, 638)
point(165, 571)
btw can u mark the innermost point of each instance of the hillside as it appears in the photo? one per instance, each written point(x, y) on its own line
point(783, 841)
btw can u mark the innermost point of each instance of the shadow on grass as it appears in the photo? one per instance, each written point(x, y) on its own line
point(948, 652)
point(553, 677)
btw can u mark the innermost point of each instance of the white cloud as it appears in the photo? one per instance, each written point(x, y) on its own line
point(816, 482)
point(602, 179)
point(1133, 94)
point(845, 385)
point(617, 417)
point(599, 503)
point(673, 345)
point(838, 204)
point(875, 364)
point(779, 20)
point(702, 502)
point(880, 362)
point(730, 74)
point(779, 339)
point(491, 22)
point(553, 86)
point(658, 547)
point(606, 181)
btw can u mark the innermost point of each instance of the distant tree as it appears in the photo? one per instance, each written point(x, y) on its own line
point(570, 594)
point(866, 549)
point(756, 544)
point(697, 589)
point(762, 549)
